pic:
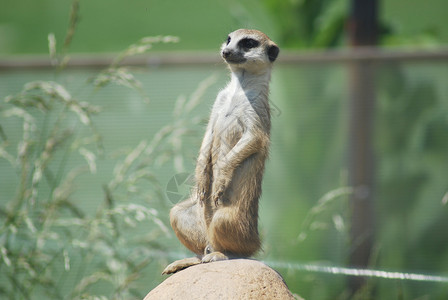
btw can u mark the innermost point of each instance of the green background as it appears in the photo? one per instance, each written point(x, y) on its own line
point(309, 136)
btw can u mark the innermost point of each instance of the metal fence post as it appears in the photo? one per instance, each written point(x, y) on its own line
point(362, 29)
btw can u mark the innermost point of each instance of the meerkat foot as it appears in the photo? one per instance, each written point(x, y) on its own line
point(181, 264)
point(214, 256)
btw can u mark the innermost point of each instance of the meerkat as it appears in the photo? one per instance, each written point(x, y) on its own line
point(220, 219)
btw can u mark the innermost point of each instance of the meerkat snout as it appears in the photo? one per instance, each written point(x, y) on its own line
point(233, 57)
point(226, 53)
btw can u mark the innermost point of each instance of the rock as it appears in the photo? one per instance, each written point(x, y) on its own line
point(228, 279)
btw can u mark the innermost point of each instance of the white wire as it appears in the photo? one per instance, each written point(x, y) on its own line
point(357, 272)
point(336, 270)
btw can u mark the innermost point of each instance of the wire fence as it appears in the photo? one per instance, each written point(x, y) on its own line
point(206, 58)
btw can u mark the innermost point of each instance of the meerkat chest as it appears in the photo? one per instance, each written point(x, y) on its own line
point(234, 110)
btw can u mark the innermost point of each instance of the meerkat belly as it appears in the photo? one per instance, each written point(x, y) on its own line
point(228, 132)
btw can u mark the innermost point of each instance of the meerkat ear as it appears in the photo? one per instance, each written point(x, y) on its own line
point(273, 51)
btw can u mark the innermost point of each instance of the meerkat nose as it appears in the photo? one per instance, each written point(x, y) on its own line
point(226, 53)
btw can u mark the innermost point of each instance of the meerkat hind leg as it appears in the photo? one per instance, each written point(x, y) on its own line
point(181, 264)
point(211, 255)
point(186, 219)
point(214, 256)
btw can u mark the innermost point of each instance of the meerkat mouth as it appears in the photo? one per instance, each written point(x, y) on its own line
point(233, 58)
point(235, 61)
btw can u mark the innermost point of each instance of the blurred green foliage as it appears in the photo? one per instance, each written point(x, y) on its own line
point(109, 26)
point(322, 23)
point(310, 23)
point(51, 244)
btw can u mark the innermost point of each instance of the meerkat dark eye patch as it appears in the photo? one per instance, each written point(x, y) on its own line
point(228, 40)
point(248, 43)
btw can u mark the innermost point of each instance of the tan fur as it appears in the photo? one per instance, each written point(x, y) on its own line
point(220, 220)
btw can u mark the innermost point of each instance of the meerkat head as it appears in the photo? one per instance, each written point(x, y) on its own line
point(249, 49)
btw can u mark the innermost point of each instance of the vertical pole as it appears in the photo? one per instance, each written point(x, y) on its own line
point(362, 29)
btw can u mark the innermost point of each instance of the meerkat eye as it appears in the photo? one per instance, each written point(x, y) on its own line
point(228, 40)
point(249, 43)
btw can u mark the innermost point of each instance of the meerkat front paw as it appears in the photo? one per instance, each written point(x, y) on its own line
point(202, 187)
point(219, 187)
point(201, 194)
point(216, 198)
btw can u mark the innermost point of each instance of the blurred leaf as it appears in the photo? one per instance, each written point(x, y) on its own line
point(142, 46)
point(52, 48)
